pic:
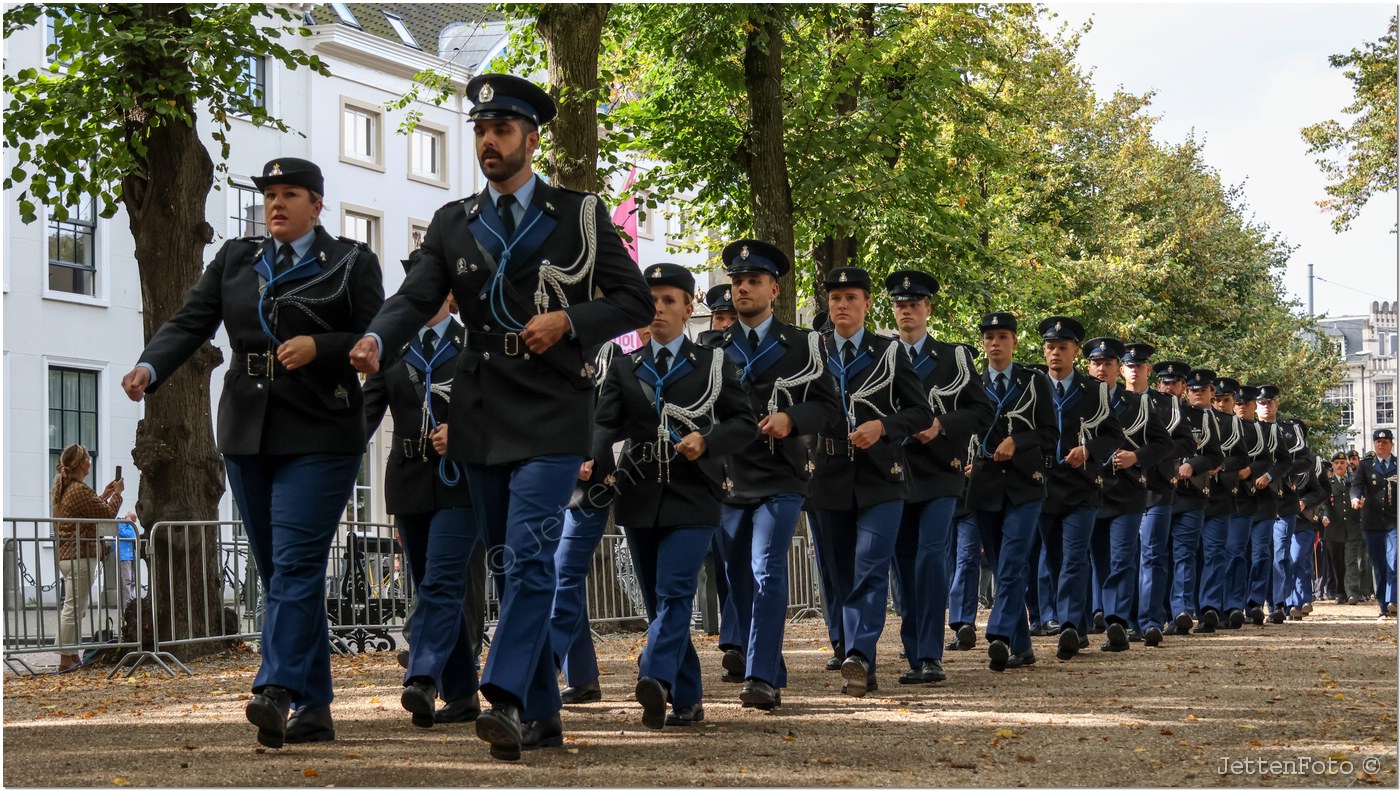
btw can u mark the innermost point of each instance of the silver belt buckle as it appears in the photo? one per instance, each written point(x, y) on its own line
point(830, 447)
point(511, 344)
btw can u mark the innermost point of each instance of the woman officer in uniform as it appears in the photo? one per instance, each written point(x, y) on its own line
point(291, 421)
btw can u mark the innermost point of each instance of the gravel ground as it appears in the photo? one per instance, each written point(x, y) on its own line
point(1201, 710)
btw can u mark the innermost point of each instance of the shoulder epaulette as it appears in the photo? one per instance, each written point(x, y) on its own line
point(355, 242)
point(253, 239)
point(460, 201)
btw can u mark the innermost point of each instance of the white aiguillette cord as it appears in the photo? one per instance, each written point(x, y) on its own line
point(688, 415)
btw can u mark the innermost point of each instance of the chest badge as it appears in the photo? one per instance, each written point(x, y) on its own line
point(896, 469)
point(341, 394)
point(1037, 477)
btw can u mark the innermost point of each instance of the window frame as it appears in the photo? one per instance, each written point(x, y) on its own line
point(1385, 405)
point(235, 190)
point(62, 366)
point(405, 35)
point(646, 217)
point(94, 249)
point(376, 223)
point(375, 137)
point(346, 15)
point(441, 134)
point(261, 82)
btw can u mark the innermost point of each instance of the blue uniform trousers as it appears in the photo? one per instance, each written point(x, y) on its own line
point(835, 585)
point(571, 637)
point(1237, 562)
point(1261, 564)
point(1214, 569)
point(967, 573)
point(862, 541)
point(291, 507)
point(1186, 545)
point(1116, 558)
point(1006, 537)
point(1380, 547)
point(1042, 580)
point(1066, 540)
point(754, 542)
point(520, 510)
point(921, 565)
point(667, 561)
point(1156, 524)
point(1300, 562)
point(1281, 539)
point(439, 547)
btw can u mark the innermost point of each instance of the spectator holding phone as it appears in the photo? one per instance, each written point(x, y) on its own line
point(78, 544)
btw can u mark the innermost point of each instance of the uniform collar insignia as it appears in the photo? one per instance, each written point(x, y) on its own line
point(487, 93)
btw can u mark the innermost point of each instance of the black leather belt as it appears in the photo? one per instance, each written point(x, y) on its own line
point(263, 363)
point(509, 343)
point(647, 452)
point(411, 447)
point(837, 446)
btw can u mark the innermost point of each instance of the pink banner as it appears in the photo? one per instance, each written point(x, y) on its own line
point(625, 217)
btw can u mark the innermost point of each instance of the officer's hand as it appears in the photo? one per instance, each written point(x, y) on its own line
point(1124, 459)
point(1246, 472)
point(439, 439)
point(1185, 471)
point(364, 357)
point(1261, 482)
point(544, 330)
point(1357, 503)
point(297, 352)
point(585, 471)
point(867, 434)
point(929, 434)
point(1302, 506)
point(692, 446)
point(967, 470)
point(1326, 522)
point(1075, 457)
point(1005, 450)
point(134, 384)
point(777, 425)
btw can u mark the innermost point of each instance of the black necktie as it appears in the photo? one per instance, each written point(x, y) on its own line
point(913, 354)
point(284, 258)
point(1001, 385)
point(1059, 390)
point(663, 361)
point(504, 207)
point(753, 339)
point(429, 344)
point(848, 354)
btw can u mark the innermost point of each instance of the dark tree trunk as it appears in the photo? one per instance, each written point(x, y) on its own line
point(572, 35)
point(764, 153)
point(181, 474)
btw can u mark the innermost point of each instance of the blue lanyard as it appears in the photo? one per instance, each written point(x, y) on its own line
point(262, 292)
point(445, 467)
point(497, 296)
point(749, 361)
point(835, 362)
point(661, 392)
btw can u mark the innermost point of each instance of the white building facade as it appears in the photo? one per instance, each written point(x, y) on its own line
point(1367, 395)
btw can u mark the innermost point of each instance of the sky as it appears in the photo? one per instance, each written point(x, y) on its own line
point(1246, 78)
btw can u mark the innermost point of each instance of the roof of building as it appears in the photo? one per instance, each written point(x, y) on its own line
point(1349, 331)
point(425, 22)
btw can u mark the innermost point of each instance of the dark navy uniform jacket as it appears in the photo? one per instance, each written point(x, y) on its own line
point(1250, 500)
point(1345, 523)
point(1375, 483)
point(593, 494)
point(1191, 493)
point(1125, 490)
point(948, 376)
point(1312, 494)
point(783, 362)
point(1225, 485)
point(1027, 415)
point(1086, 418)
point(509, 404)
point(412, 479)
point(879, 385)
point(655, 485)
point(330, 295)
point(1162, 476)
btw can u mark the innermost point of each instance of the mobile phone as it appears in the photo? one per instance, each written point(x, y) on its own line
point(119, 472)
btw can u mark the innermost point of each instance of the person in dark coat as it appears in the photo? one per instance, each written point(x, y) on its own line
point(291, 421)
point(1195, 481)
point(680, 408)
point(1373, 493)
point(542, 280)
point(1342, 532)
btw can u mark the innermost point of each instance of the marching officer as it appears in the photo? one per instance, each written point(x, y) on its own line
point(1193, 490)
point(1118, 520)
point(431, 506)
point(1256, 505)
point(1007, 485)
point(1161, 482)
point(1268, 564)
point(1293, 550)
point(861, 479)
point(783, 373)
point(1221, 506)
point(720, 301)
point(291, 421)
point(1373, 493)
point(936, 457)
point(525, 260)
point(680, 408)
point(1343, 532)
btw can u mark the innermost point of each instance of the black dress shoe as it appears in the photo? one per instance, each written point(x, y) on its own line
point(402, 658)
point(1236, 620)
point(834, 663)
point(1117, 639)
point(458, 711)
point(1183, 623)
point(1039, 630)
point(1100, 624)
point(652, 697)
point(759, 694)
point(542, 734)
point(1052, 627)
point(872, 685)
point(1134, 634)
point(1068, 644)
point(734, 665)
point(1255, 615)
point(1353, 600)
point(913, 676)
point(998, 654)
point(1208, 623)
point(501, 728)
point(268, 711)
point(684, 717)
point(1152, 636)
point(1021, 660)
point(856, 672)
point(420, 699)
point(577, 695)
point(1277, 617)
point(967, 637)
point(310, 725)
point(1294, 613)
point(933, 671)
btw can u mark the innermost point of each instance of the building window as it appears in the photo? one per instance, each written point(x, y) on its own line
point(51, 17)
point(417, 231)
point(361, 225)
point(397, 24)
point(246, 213)
point(72, 249)
point(1385, 402)
point(343, 11)
point(361, 131)
point(427, 146)
point(646, 218)
point(72, 412)
point(1343, 396)
point(252, 79)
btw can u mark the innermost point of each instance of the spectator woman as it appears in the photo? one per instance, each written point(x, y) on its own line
point(79, 548)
